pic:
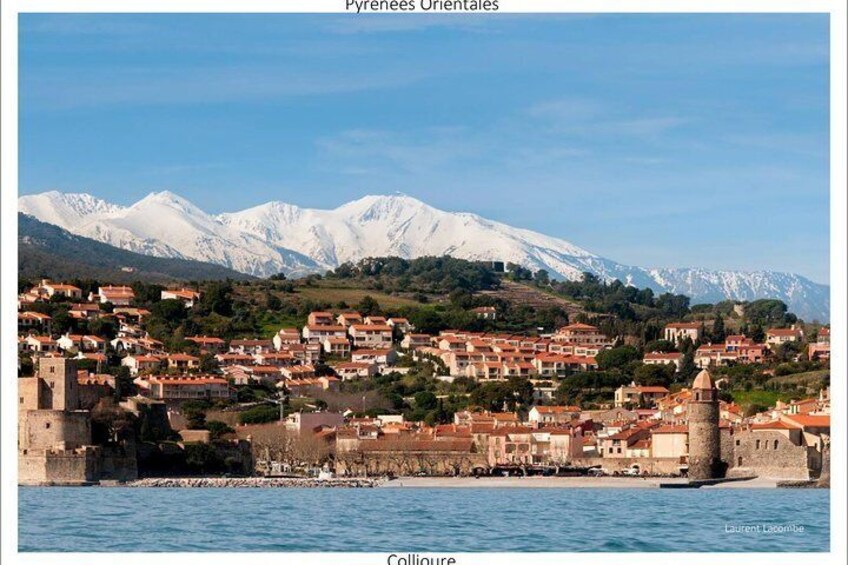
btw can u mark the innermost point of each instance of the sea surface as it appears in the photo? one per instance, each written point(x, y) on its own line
point(93, 519)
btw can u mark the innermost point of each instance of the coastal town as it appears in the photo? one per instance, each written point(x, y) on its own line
point(103, 400)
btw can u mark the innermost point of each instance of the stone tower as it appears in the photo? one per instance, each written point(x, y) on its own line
point(60, 376)
point(704, 440)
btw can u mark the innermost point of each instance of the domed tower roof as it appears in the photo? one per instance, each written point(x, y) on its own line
point(703, 381)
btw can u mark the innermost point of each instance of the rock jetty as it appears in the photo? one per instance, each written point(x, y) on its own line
point(252, 482)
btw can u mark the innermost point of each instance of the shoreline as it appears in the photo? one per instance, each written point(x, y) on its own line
point(564, 482)
point(433, 482)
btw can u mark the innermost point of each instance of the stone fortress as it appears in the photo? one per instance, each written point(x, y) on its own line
point(795, 448)
point(54, 433)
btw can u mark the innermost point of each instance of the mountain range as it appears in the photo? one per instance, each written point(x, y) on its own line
point(48, 251)
point(280, 237)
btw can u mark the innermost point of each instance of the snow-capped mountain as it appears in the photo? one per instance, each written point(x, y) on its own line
point(164, 225)
point(277, 237)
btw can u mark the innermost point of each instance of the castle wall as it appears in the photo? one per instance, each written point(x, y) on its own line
point(358, 463)
point(58, 467)
point(45, 429)
point(118, 464)
point(727, 441)
point(31, 394)
point(54, 436)
point(649, 465)
point(781, 460)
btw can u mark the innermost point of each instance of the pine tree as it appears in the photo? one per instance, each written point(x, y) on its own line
point(687, 367)
point(718, 334)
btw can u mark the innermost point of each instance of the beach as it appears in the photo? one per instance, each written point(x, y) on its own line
point(562, 482)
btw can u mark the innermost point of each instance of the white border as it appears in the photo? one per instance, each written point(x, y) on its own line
point(838, 247)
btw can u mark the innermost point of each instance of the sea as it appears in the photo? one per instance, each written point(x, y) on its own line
point(122, 519)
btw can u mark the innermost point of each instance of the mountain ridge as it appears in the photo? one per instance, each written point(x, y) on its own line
point(281, 237)
point(49, 251)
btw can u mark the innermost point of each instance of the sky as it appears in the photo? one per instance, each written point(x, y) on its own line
point(653, 140)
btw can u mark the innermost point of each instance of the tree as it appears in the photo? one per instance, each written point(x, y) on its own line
point(367, 306)
point(218, 429)
point(124, 384)
point(757, 333)
point(425, 400)
point(654, 375)
point(659, 346)
point(673, 305)
point(765, 312)
point(217, 298)
point(616, 358)
point(194, 411)
point(110, 423)
point(260, 414)
point(171, 311)
point(688, 369)
point(718, 334)
point(272, 302)
point(208, 363)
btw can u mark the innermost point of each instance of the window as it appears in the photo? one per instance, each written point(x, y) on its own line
point(739, 462)
point(775, 444)
point(47, 425)
point(758, 444)
point(22, 400)
point(738, 442)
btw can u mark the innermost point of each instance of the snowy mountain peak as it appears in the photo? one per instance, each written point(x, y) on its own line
point(375, 208)
point(167, 199)
point(65, 210)
point(277, 236)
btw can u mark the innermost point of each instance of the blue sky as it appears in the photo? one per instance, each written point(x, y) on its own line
point(654, 140)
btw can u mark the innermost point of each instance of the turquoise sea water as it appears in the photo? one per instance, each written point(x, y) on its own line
point(420, 519)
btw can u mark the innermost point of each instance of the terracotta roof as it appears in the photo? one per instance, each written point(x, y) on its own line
point(651, 389)
point(182, 357)
point(183, 293)
point(670, 356)
point(773, 425)
point(810, 421)
point(579, 327)
point(204, 339)
point(781, 332)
